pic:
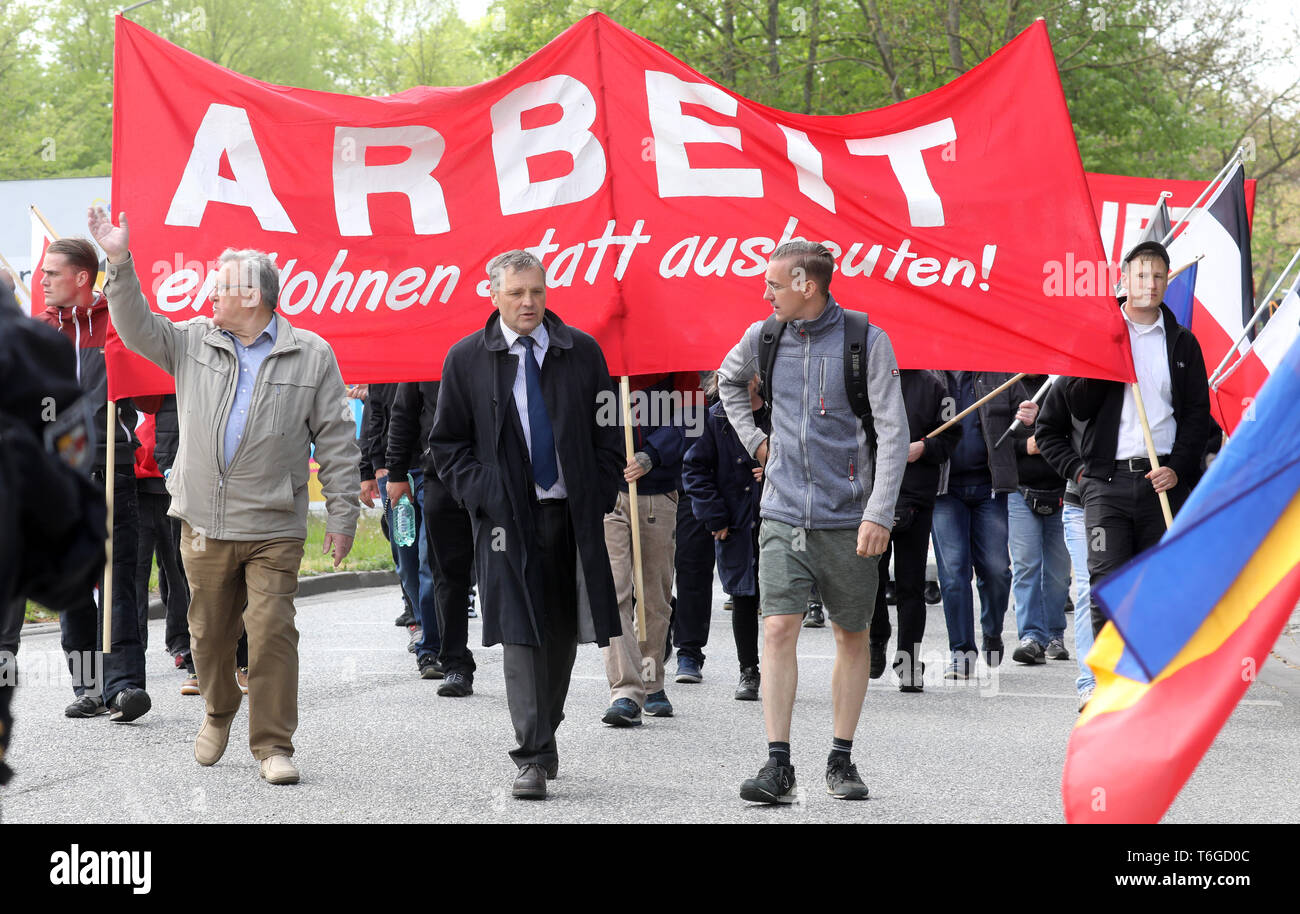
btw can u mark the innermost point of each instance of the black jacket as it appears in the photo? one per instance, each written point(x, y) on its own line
point(925, 396)
point(1098, 404)
point(995, 417)
point(1033, 469)
point(718, 475)
point(374, 429)
point(410, 419)
point(479, 450)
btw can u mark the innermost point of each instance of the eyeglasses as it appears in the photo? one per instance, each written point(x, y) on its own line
point(229, 290)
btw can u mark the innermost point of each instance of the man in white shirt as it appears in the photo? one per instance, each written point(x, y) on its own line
point(1119, 486)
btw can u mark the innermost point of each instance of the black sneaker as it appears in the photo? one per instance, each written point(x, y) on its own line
point(843, 782)
point(815, 617)
point(877, 659)
point(1056, 650)
point(773, 784)
point(623, 712)
point(749, 682)
point(911, 675)
point(456, 685)
point(1029, 652)
point(128, 704)
point(933, 595)
point(86, 706)
point(406, 618)
point(993, 651)
point(429, 666)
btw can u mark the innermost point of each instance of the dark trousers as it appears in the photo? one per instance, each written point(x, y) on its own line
point(451, 553)
point(82, 626)
point(910, 548)
point(693, 564)
point(537, 675)
point(744, 627)
point(160, 535)
point(11, 629)
point(1123, 518)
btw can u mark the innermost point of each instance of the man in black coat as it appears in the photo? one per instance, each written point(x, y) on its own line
point(526, 438)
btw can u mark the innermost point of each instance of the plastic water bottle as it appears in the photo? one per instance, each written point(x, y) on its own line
point(404, 518)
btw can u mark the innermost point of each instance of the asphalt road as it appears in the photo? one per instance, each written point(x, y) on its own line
point(375, 744)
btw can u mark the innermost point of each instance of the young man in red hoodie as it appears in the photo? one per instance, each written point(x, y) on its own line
point(76, 310)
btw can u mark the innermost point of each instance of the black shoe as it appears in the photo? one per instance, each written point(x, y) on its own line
point(429, 666)
point(749, 683)
point(530, 783)
point(406, 618)
point(128, 704)
point(933, 595)
point(1029, 652)
point(456, 685)
point(552, 770)
point(658, 705)
point(1069, 604)
point(773, 784)
point(815, 617)
point(993, 651)
point(877, 659)
point(623, 713)
point(842, 780)
point(911, 676)
point(891, 594)
point(1056, 650)
point(86, 706)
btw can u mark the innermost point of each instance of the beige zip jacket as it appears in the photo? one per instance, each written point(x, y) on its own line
point(298, 401)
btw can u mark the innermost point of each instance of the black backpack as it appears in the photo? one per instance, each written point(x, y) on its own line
point(859, 334)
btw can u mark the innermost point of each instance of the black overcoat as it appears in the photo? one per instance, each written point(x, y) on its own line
point(478, 447)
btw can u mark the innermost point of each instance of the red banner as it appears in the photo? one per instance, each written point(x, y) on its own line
point(651, 194)
point(1123, 205)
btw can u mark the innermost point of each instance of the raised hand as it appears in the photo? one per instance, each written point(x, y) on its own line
point(114, 239)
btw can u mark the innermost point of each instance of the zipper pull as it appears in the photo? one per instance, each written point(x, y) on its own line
point(852, 470)
point(821, 400)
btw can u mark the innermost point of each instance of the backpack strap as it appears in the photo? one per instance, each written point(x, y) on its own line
point(859, 335)
point(768, 340)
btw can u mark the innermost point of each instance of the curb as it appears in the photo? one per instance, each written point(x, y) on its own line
point(308, 586)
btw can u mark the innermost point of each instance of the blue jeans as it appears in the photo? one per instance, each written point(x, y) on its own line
point(970, 533)
point(414, 570)
point(1040, 568)
point(1076, 540)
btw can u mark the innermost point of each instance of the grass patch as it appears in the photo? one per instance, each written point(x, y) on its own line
point(370, 552)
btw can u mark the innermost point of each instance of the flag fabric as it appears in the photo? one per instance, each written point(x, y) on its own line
point(1280, 331)
point(1186, 634)
point(1181, 293)
point(652, 195)
point(41, 238)
point(1225, 295)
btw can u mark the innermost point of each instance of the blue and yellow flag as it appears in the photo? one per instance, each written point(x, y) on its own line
point(1192, 619)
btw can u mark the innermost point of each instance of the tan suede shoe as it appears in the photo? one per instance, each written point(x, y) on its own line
point(279, 769)
point(210, 744)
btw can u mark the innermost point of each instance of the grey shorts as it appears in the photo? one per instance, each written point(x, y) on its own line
point(792, 559)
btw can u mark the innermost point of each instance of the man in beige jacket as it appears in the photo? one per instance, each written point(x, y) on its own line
point(253, 394)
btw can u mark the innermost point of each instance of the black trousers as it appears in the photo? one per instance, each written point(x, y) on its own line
point(1123, 518)
point(537, 676)
point(910, 548)
point(693, 568)
point(82, 626)
point(160, 535)
point(451, 552)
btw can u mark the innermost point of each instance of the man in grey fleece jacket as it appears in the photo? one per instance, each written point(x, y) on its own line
point(828, 501)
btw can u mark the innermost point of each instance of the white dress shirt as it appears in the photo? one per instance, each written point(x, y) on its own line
point(541, 342)
point(1151, 359)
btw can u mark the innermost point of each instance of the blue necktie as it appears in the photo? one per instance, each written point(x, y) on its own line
point(545, 469)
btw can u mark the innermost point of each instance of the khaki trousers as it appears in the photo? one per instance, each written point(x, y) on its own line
point(636, 669)
point(234, 586)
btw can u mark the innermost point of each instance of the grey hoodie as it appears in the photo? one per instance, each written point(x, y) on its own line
point(822, 474)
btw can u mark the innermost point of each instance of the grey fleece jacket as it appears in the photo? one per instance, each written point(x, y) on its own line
point(822, 474)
